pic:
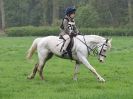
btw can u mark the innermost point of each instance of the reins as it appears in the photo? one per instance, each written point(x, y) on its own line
point(89, 49)
point(94, 50)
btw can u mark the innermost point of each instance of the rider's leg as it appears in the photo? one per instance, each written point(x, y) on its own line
point(67, 41)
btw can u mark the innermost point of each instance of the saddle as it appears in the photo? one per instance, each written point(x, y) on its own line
point(70, 46)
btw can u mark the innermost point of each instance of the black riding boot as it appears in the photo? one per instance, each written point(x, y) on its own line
point(64, 53)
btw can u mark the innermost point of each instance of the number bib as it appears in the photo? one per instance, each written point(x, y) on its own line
point(71, 26)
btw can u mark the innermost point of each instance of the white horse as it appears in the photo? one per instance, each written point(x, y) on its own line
point(47, 46)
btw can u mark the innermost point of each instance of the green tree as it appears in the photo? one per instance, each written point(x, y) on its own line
point(2, 13)
point(36, 12)
point(87, 16)
point(130, 13)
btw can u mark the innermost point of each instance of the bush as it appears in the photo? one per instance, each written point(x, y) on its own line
point(45, 31)
point(108, 31)
point(32, 31)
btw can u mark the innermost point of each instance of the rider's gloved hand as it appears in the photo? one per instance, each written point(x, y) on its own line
point(79, 33)
point(73, 34)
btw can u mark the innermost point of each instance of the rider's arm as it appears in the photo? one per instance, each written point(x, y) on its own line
point(65, 24)
point(76, 29)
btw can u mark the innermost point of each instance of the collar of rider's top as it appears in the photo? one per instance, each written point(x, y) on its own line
point(70, 19)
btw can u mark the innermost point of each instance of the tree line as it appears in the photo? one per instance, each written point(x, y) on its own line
point(90, 13)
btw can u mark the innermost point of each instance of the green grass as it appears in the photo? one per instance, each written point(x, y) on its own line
point(14, 68)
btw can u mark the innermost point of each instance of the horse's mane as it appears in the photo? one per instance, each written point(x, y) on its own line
point(96, 38)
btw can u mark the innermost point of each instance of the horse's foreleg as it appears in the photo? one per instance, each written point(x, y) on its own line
point(76, 70)
point(32, 75)
point(87, 64)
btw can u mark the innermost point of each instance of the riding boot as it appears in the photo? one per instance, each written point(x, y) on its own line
point(66, 43)
point(64, 52)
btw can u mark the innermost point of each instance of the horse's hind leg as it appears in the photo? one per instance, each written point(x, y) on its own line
point(43, 57)
point(32, 75)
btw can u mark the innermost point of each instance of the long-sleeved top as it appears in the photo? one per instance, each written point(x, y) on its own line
point(68, 26)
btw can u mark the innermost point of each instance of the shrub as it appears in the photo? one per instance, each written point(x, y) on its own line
point(45, 31)
point(32, 31)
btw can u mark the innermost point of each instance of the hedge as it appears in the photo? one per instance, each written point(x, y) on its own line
point(108, 31)
point(32, 31)
point(45, 31)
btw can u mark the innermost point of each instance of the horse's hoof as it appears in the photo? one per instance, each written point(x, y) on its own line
point(101, 80)
point(42, 78)
point(75, 79)
point(29, 77)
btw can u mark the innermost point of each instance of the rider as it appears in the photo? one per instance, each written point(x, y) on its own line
point(68, 28)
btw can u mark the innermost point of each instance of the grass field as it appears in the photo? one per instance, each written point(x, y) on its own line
point(14, 68)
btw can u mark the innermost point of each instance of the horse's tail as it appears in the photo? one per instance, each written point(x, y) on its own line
point(32, 48)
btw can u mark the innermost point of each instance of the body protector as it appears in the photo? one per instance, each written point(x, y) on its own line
point(68, 27)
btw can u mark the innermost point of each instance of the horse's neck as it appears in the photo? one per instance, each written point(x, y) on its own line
point(93, 40)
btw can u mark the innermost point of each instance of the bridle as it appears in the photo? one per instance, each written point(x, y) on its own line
point(104, 44)
point(94, 50)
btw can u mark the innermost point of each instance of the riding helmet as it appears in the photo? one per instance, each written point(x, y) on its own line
point(70, 10)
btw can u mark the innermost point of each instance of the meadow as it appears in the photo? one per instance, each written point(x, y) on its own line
point(58, 84)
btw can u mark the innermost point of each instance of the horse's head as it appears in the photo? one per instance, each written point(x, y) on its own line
point(102, 49)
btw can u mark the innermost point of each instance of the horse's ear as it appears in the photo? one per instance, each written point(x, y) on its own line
point(107, 40)
point(110, 40)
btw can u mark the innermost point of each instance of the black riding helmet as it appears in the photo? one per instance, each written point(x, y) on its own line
point(70, 10)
